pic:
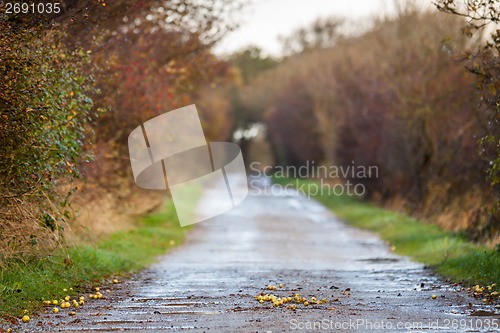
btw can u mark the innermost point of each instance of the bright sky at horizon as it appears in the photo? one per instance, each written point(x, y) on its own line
point(263, 21)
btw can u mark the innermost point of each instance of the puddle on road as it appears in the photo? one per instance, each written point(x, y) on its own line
point(191, 313)
point(380, 260)
point(294, 203)
point(182, 304)
point(130, 328)
point(483, 313)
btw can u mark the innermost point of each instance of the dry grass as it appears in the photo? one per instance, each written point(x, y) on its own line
point(100, 212)
point(22, 234)
point(465, 214)
point(97, 210)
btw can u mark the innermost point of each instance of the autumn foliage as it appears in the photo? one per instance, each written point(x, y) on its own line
point(397, 97)
point(73, 86)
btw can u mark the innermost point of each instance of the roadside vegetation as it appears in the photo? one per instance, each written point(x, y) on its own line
point(450, 254)
point(25, 284)
point(416, 95)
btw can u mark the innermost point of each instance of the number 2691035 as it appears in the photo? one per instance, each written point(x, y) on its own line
point(32, 8)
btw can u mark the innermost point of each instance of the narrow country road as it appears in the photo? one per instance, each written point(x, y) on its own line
point(208, 284)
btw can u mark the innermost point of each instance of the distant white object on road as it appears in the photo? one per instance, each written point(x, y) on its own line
point(170, 152)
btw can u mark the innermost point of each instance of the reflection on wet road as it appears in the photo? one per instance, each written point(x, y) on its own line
point(208, 284)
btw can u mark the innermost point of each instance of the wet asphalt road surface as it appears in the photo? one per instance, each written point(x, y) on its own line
point(208, 284)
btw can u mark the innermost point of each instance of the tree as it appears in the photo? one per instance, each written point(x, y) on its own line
point(247, 111)
point(44, 107)
point(484, 62)
point(293, 132)
point(148, 57)
point(251, 62)
point(322, 33)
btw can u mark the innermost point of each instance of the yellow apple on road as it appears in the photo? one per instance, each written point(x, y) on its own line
point(55, 310)
point(26, 319)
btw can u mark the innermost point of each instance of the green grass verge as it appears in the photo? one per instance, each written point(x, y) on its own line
point(24, 285)
point(450, 254)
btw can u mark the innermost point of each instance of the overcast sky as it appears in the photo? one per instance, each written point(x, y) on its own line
point(263, 21)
